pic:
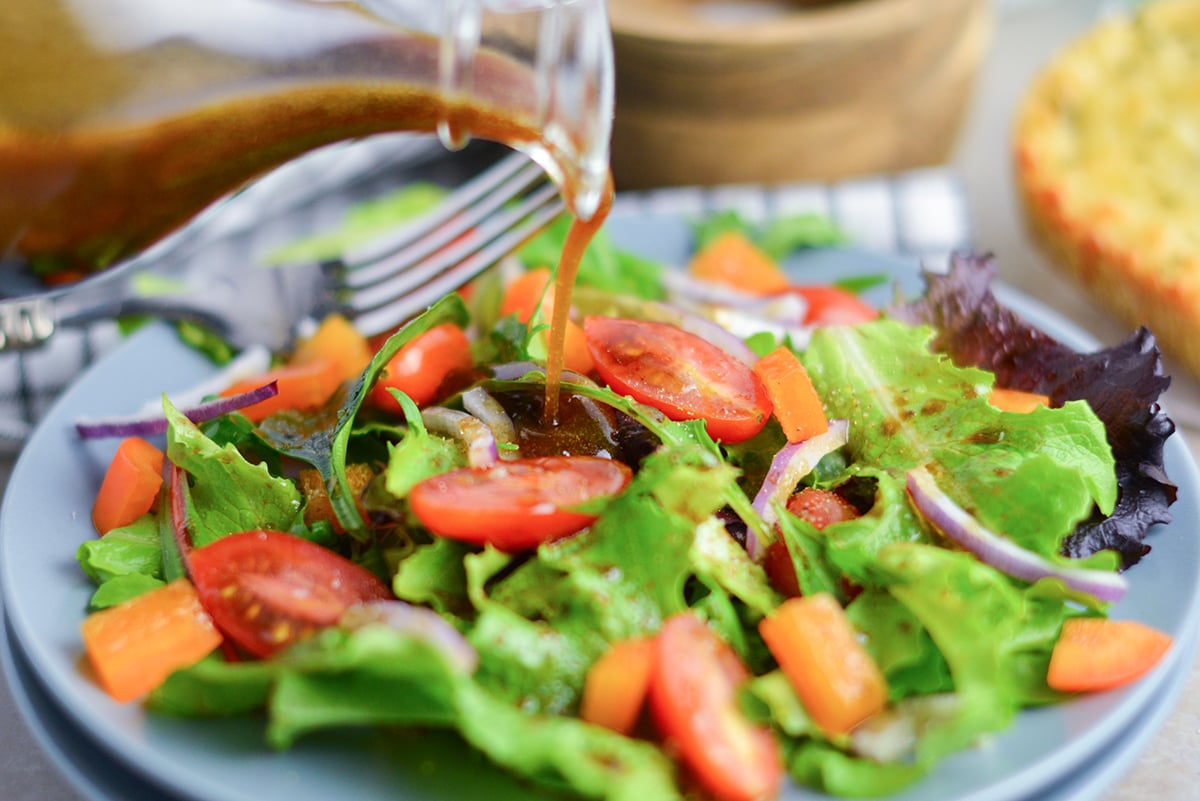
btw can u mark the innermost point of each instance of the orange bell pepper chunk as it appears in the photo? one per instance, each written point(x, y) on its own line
point(616, 685)
point(134, 646)
point(130, 486)
point(1095, 653)
point(521, 298)
point(1016, 400)
point(818, 650)
point(337, 341)
point(733, 260)
point(301, 387)
point(797, 406)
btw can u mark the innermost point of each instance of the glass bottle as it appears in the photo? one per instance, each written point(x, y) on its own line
point(120, 120)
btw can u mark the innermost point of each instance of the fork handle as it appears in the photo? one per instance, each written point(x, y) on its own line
point(29, 322)
point(26, 323)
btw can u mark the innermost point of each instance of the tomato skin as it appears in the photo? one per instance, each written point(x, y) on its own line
point(829, 305)
point(519, 504)
point(422, 366)
point(266, 590)
point(693, 699)
point(680, 374)
point(781, 572)
point(821, 507)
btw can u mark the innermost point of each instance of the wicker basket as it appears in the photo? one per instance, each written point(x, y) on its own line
point(769, 92)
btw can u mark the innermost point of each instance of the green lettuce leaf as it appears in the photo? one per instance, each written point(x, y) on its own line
point(909, 407)
point(124, 551)
point(543, 621)
point(227, 493)
point(419, 455)
point(565, 754)
point(122, 588)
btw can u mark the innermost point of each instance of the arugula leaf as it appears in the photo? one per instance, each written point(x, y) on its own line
point(324, 447)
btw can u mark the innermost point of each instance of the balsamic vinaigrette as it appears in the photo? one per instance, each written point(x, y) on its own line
point(579, 237)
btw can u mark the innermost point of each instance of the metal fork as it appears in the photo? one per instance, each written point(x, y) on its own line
point(377, 287)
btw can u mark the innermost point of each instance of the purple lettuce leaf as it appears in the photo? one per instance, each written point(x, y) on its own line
point(1122, 384)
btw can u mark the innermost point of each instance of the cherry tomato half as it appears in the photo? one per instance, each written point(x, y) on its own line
point(821, 507)
point(422, 366)
point(693, 700)
point(519, 504)
point(266, 590)
point(680, 374)
point(829, 305)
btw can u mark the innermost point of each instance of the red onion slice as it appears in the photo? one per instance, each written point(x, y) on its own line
point(999, 552)
point(680, 283)
point(419, 622)
point(147, 425)
point(471, 432)
point(714, 333)
point(793, 462)
point(179, 517)
point(740, 314)
point(480, 403)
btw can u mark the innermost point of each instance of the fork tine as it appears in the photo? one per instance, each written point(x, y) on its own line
point(405, 276)
point(454, 269)
point(425, 228)
point(475, 213)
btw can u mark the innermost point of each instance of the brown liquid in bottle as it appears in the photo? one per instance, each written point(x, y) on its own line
point(116, 132)
point(109, 144)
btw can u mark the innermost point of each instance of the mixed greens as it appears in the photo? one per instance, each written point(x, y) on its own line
point(496, 643)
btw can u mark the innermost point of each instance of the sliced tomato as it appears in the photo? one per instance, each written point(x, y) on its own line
point(422, 367)
point(680, 374)
point(830, 305)
point(821, 507)
point(781, 571)
point(519, 504)
point(693, 699)
point(267, 590)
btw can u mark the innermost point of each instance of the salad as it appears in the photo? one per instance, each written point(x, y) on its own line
point(771, 535)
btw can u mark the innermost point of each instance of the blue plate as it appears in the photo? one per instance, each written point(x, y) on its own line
point(45, 516)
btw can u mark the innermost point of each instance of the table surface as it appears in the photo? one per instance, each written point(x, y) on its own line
point(1026, 33)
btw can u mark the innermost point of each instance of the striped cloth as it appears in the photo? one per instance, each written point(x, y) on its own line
point(920, 214)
